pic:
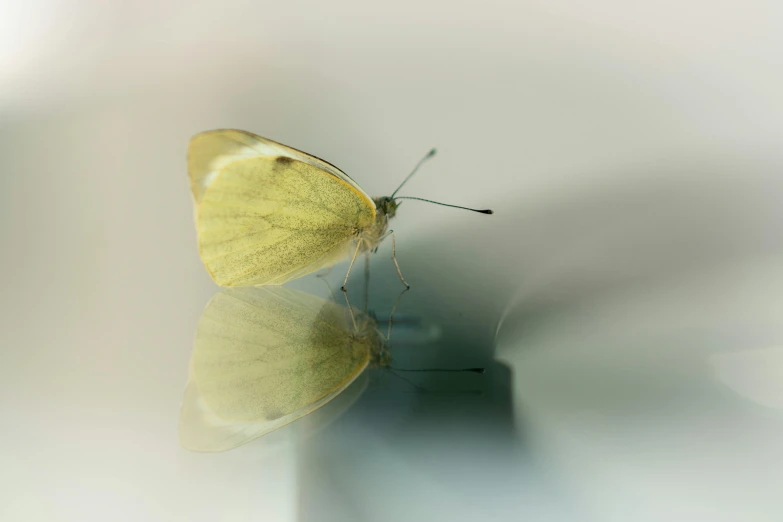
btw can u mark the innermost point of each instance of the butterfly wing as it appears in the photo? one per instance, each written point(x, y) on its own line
point(210, 151)
point(201, 430)
point(268, 219)
point(264, 357)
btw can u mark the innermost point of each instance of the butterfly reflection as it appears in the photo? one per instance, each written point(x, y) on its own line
point(264, 357)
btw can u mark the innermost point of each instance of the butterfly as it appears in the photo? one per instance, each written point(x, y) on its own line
point(266, 213)
point(265, 357)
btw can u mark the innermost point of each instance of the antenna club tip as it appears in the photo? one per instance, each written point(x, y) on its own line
point(488, 211)
point(432, 153)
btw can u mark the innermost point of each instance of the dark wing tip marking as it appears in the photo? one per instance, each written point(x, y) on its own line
point(273, 414)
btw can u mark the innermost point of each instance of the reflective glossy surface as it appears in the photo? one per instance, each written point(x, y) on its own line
point(625, 297)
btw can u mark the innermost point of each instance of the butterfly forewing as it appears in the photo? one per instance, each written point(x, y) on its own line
point(265, 220)
point(210, 151)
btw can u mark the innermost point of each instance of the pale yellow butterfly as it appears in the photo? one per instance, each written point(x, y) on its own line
point(267, 213)
point(264, 357)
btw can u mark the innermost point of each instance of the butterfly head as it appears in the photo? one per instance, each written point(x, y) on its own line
point(368, 336)
point(386, 206)
point(382, 357)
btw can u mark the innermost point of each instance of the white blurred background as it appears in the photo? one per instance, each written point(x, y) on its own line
point(629, 282)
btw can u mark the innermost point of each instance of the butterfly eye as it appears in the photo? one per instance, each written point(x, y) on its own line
point(390, 207)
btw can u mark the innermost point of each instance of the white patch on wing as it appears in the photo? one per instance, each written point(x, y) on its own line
point(220, 162)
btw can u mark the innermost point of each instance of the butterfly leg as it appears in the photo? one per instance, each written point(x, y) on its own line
point(394, 258)
point(366, 280)
point(329, 287)
point(353, 259)
point(391, 314)
point(325, 272)
point(350, 311)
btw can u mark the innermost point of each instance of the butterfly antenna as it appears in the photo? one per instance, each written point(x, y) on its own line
point(473, 370)
point(425, 390)
point(422, 160)
point(480, 211)
point(406, 380)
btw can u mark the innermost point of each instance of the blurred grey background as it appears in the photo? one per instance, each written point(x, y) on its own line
point(626, 295)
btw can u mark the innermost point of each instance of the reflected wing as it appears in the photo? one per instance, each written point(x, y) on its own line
point(201, 430)
point(210, 151)
point(267, 220)
point(267, 356)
